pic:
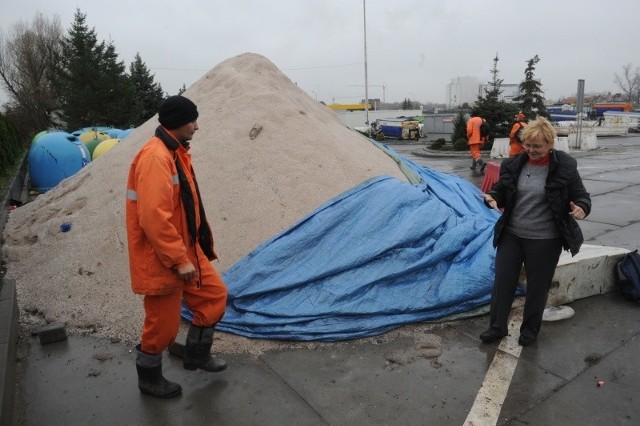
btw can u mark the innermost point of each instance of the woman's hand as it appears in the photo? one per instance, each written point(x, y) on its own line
point(576, 211)
point(488, 199)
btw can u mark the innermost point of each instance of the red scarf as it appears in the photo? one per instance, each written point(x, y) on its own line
point(541, 162)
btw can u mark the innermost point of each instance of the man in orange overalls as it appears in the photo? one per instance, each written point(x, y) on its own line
point(515, 144)
point(170, 248)
point(475, 141)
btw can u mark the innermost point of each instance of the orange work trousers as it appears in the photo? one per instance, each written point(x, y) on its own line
point(475, 150)
point(162, 312)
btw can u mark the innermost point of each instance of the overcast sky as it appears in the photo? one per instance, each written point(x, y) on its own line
point(414, 47)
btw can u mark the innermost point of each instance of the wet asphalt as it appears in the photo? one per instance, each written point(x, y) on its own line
point(581, 371)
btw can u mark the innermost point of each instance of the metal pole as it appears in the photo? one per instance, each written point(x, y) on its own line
point(366, 79)
point(579, 108)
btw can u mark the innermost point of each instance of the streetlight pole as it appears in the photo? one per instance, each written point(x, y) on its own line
point(579, 108)
point(366, 80)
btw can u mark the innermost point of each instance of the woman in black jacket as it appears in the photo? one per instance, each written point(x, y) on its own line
point(542, 195)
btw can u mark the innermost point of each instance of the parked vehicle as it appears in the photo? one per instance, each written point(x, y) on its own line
point(402, 128)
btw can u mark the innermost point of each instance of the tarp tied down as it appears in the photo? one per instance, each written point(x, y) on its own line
point(381, 255)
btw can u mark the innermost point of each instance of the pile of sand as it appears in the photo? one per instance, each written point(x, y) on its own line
point(265, 156)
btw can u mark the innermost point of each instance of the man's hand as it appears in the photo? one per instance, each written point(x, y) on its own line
point(186, 272)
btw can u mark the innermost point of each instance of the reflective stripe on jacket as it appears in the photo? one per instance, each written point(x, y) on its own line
point(157, 232)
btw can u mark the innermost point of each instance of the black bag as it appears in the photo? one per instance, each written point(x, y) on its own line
point(485, 130)
point(628, 276)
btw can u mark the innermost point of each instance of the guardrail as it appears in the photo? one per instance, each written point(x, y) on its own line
point(16, 191)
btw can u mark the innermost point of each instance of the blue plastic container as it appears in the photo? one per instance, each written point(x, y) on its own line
point(125, 133)
point(54, 157)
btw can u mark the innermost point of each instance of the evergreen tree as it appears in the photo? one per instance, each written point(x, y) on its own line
point(116, 92)
point(459, 127)
point(148, 93)
point(92, 85)
point(77, 76)
point(498, 113)
point(531, 100)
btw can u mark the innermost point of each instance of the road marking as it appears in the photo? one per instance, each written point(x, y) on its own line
point(488, 404)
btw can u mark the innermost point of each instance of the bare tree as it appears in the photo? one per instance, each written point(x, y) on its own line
point(27, 57)
point(629, 82)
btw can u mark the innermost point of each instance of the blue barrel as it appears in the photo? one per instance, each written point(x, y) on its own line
point(125, 133)
point(53, 157)
point(114, 133)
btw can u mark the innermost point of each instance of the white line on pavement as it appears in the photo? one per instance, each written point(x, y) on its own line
point(488, 404)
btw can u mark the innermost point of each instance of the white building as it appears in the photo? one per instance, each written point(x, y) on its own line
point(509, 91)
point(462, 90)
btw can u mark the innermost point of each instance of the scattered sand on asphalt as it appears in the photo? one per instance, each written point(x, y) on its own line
point(265, 156)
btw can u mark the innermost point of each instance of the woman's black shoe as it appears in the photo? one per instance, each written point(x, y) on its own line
point(525, 340)
point(491, 335)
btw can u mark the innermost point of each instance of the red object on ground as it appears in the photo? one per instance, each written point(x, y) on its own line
point(491, 174)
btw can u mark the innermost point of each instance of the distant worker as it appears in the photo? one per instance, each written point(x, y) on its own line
point(170, 248)
point(475, 140)
point(515, 136)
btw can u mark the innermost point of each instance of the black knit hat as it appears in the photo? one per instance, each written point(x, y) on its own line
point(176, 111)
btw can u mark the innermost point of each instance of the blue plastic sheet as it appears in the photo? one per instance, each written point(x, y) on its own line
point(383, 254)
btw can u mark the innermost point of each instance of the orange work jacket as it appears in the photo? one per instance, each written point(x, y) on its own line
point(157, 232)
point(473, 130)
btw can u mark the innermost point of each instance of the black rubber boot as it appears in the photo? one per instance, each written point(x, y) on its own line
point(197, 351)
point(473, 165)
point(483, 165)
point(150, 378)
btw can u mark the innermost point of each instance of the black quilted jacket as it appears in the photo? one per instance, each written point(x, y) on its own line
point(563, 185)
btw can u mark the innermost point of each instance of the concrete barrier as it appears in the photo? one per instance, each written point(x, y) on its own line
point(589, 273)
point(562, 143)
point(500, 148)
point(588, 141)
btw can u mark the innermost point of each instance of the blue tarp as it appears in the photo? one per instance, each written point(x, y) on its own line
point(383, 254)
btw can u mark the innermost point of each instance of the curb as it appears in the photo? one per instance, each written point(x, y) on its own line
point(426, 152)
point(8, 347)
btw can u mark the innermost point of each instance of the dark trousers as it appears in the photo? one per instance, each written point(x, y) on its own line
point(540, 258)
